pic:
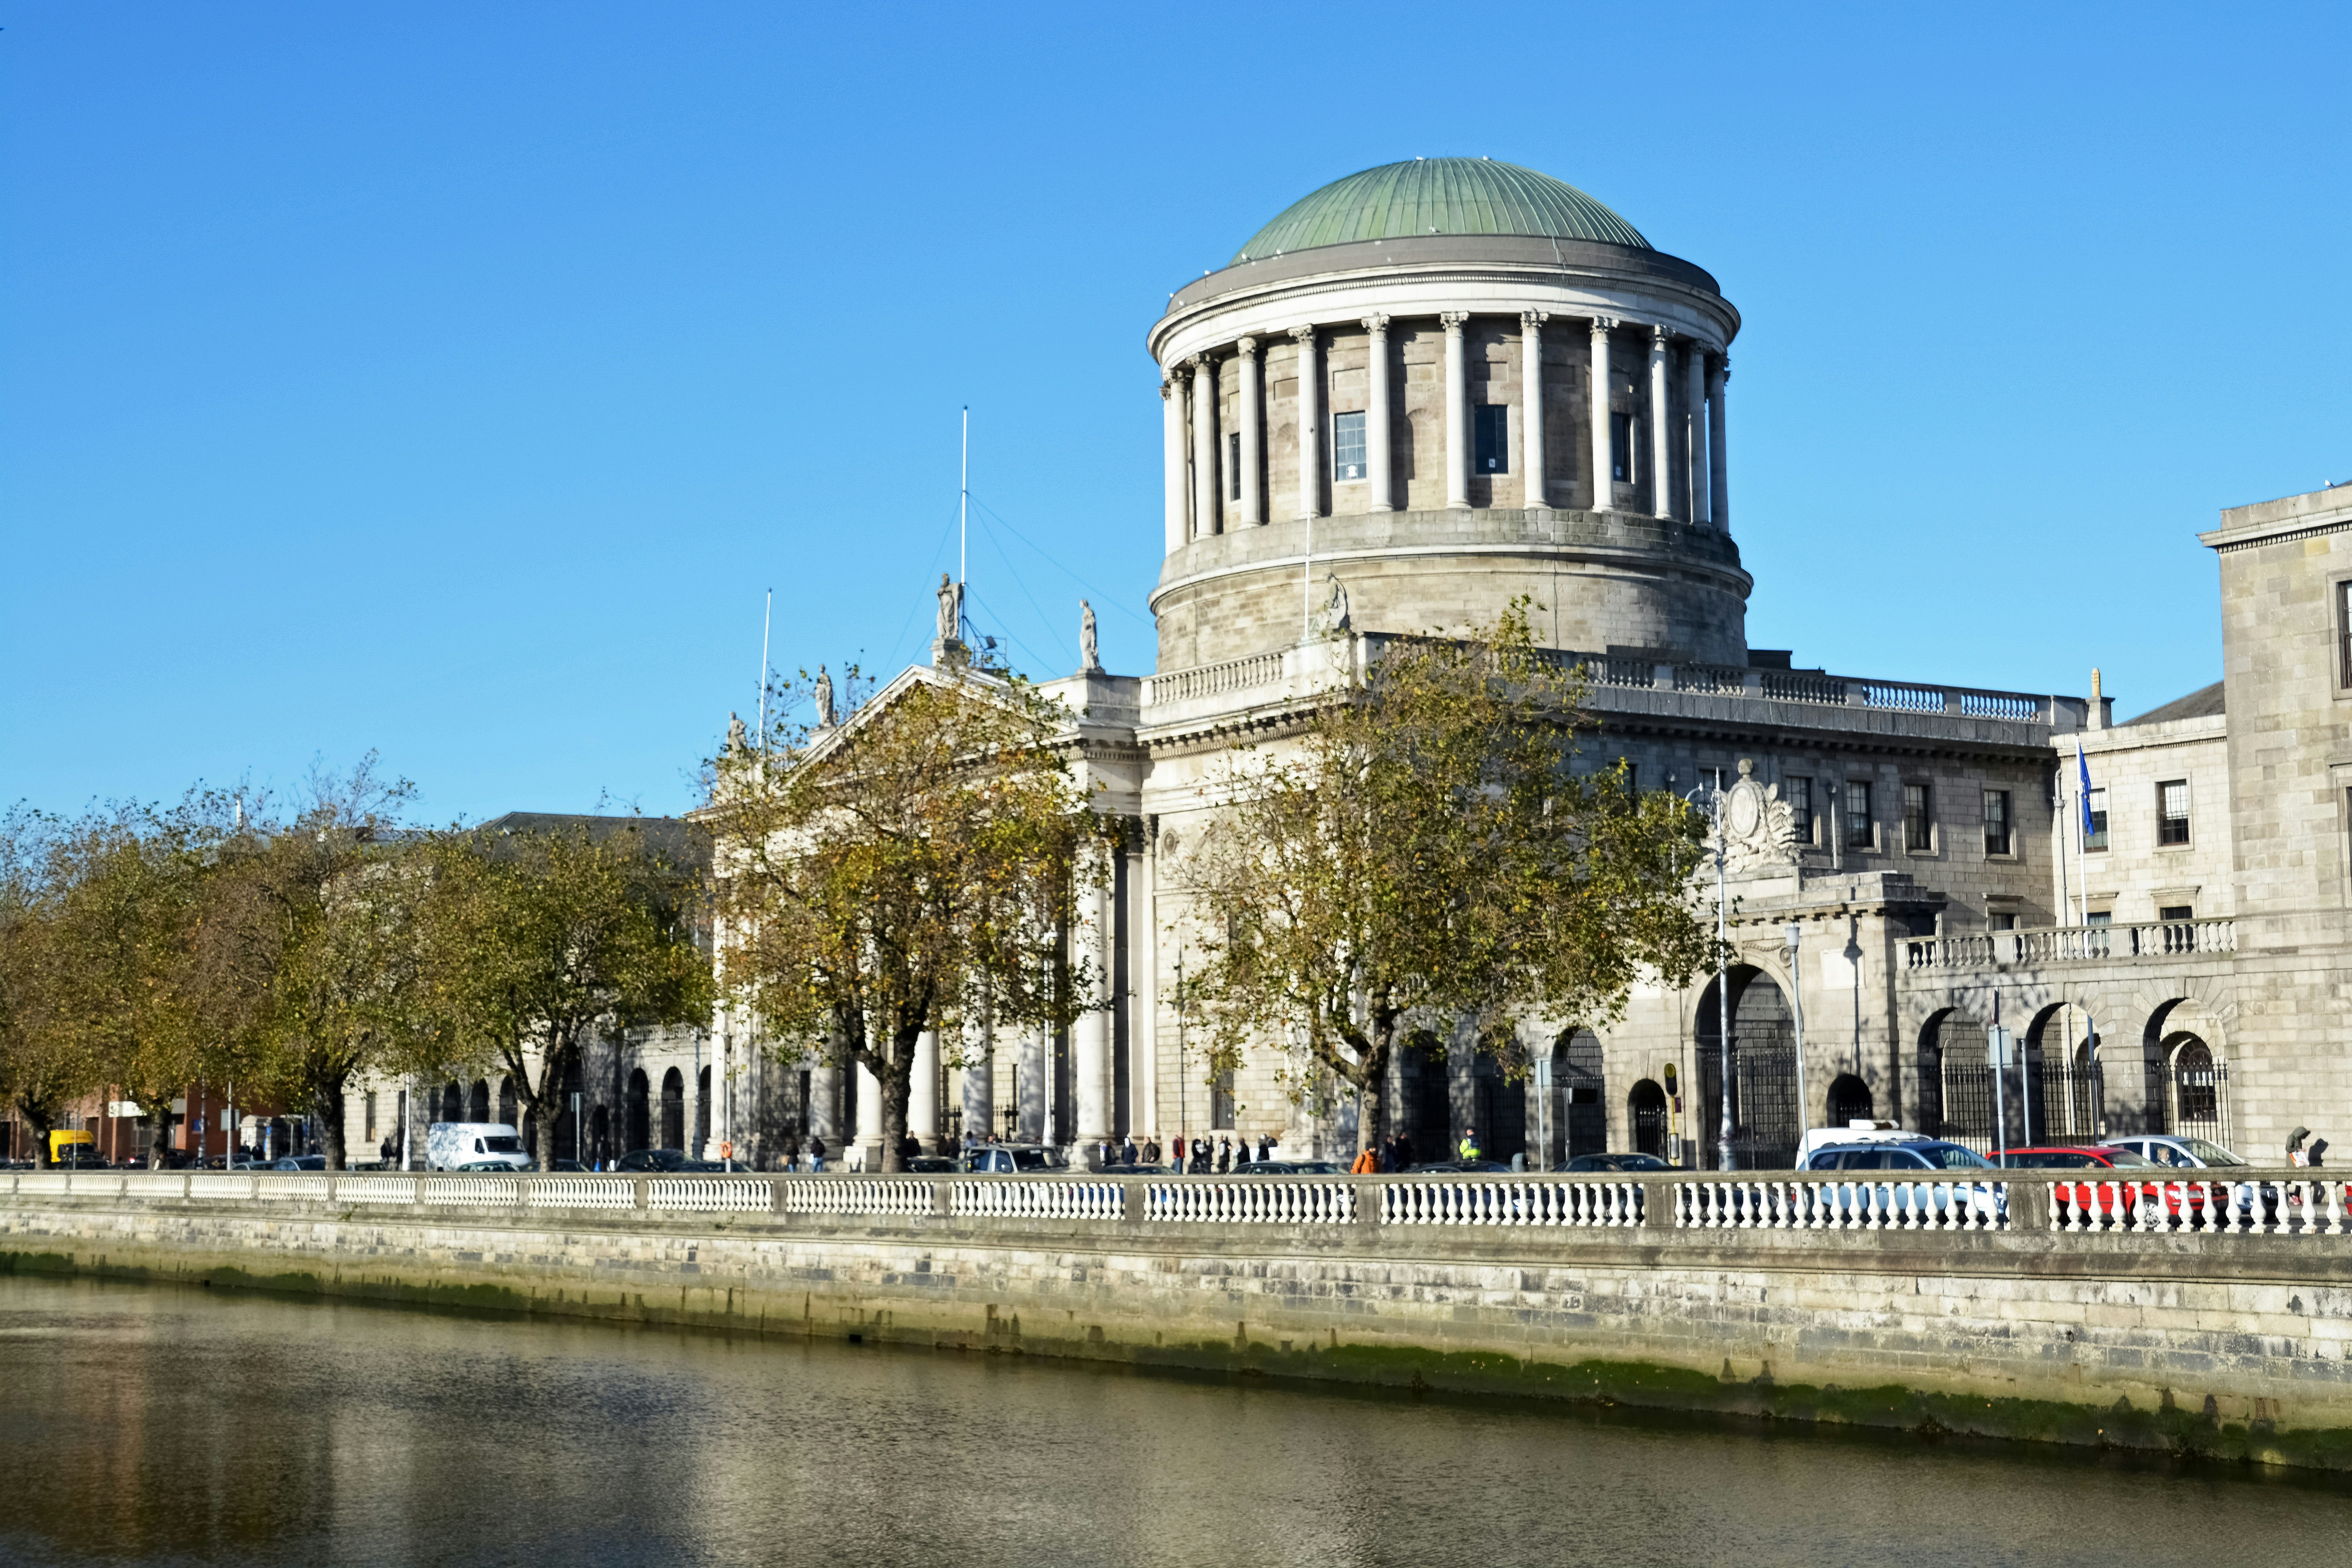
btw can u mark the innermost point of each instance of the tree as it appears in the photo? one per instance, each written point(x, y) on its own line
point(102, 907)
point(905, 871)
point(46, 1064)
point(1421, 852)
point(308, 956)
point(536, 942)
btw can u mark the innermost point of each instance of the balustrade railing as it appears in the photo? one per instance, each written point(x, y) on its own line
point(2075, 944)
point(2253, 1203)
point(1213, 680)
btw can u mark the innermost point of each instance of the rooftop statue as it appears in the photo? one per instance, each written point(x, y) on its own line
point(825, 720)
point(1089, 656)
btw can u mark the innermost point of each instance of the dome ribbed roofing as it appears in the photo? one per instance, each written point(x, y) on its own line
point(1441, 196)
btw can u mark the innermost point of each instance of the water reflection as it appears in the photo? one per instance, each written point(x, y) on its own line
point(166, 1425)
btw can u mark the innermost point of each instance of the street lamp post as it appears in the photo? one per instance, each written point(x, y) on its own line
point(1725, 1159)
point(1795, 932)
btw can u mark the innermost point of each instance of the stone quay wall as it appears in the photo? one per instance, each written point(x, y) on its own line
point(2188, 1325)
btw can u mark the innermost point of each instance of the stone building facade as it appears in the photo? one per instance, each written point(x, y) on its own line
point(1352, 411)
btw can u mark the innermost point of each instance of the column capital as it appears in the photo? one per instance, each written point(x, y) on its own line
point(1605, 324)
point(1304, 332)
point(1660, 335)
point(1202, 363)
point(1452, 320)
point(1168, 387)
point(1534, 319)
point(1375, 323)
point(1246, 348)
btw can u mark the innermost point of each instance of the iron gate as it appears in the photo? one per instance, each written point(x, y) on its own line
point(1764, 1113)
point(2058, 1102)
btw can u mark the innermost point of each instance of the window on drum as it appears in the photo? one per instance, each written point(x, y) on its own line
point(1492, 432)
point(1347, 446)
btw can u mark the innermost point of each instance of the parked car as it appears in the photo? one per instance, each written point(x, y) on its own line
point(1467, 1167)
point(1893, 1189)
point(1616, 1163)
point(564, 1167)
point(2179, 1152)
point(1014, 1158)
point(934, 1166)
point(2110, 1198)
point(650, 1162)
point(298, 1162)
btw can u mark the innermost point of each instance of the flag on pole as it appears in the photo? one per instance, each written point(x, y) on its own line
point(2083, 768)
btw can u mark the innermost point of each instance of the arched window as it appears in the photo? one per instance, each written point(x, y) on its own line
point(478, 1102)
point(507, 1101)
point(673, 1109)
point(1645, 1107)
point(2197, 1081)
point(453, 1103)
point(702, 1110)
point(639, 1113)
point(1582, 1120)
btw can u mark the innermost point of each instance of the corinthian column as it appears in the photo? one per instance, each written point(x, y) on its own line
point(1604, 489)
point(1662, 463)
point(1246, 367)
point(1719, 469)
point(1171, 455)
point(1204, 446)
point(1531, 409)
point(1695, 433)
point(1376, 417)
point(1310, 424)
point(1457, 412)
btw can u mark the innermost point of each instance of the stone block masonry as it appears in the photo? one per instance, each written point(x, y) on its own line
point(1750, 1297)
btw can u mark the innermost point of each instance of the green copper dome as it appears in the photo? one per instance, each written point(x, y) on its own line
point(1441, 196)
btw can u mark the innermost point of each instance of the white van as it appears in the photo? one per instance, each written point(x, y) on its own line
point(454, 1145)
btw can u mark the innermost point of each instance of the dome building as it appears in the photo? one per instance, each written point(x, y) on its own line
point(1430, 388)
point(1449, 381)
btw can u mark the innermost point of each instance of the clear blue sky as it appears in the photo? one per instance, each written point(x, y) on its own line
point(451, 380)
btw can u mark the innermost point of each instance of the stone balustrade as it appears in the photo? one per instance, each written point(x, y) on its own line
point(2040, 945)
point(2283, 1202)
point(1272, 675)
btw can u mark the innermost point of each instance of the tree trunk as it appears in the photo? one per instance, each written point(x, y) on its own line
point(163, 1137)
point(35, 1115)
point(542, 1102)
point(897, 1079)
point(327, 1111)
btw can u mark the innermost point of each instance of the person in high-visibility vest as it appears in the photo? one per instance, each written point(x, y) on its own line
point(1469, 1149)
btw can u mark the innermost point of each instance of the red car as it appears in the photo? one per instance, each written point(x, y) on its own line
point(2099, 1157)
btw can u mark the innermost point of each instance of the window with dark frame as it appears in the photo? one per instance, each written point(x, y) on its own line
point(1492, 422)
point(1859, 832)
point(1621, 448)
point(1347, 446)
point(1996, 818)
point(1800, 793)
point(2001, 922)
point(2095, 842)
point(2177, 912)
point(2172, 812)
point(1234, 466)
point(2344, 633)
point(1918, 828)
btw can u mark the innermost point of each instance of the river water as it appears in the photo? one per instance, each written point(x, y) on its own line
point(167, 1426)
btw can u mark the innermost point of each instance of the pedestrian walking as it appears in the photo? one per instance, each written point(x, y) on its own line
point(1368, 1163)
point(1200, 1156)
point(1468, 1148)
point(1266, 1146)
point(817, 1153)
point(1129, 1154)
point(1224, 1155)
point(1151, 1151)
point(2294, 1155)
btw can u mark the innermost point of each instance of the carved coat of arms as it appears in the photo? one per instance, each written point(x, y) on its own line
point(1759, 831)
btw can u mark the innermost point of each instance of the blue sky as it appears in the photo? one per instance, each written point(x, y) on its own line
point(453, 380)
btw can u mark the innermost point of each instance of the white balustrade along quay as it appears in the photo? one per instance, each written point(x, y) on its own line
point(2295, 1202)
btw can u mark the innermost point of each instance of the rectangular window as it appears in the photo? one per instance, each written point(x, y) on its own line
point(2095, 839)
point(1234, 466)
point(1494, 434)
point(1800, 793)
point(2172, 812)
point(2002, 922)
point(1919, 830)
point(1996, 813)
point(2344, 633)
point(2100, 918)
point(1859, 833)
point(2177, 912)
point(1621, 447)
point(1221, 1100)
point(1347, 446)
point(371, 1116)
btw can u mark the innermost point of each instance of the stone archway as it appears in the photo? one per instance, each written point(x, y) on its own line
point(673, 1109)
point(637, 1119)
point(1766, 1120)
point(1849, 1100)
point(1645, 1113)
point(478, 1102)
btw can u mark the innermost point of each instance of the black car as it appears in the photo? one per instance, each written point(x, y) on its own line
point(1616, 1163)
point(1459, 1167)
point(653, 1162)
